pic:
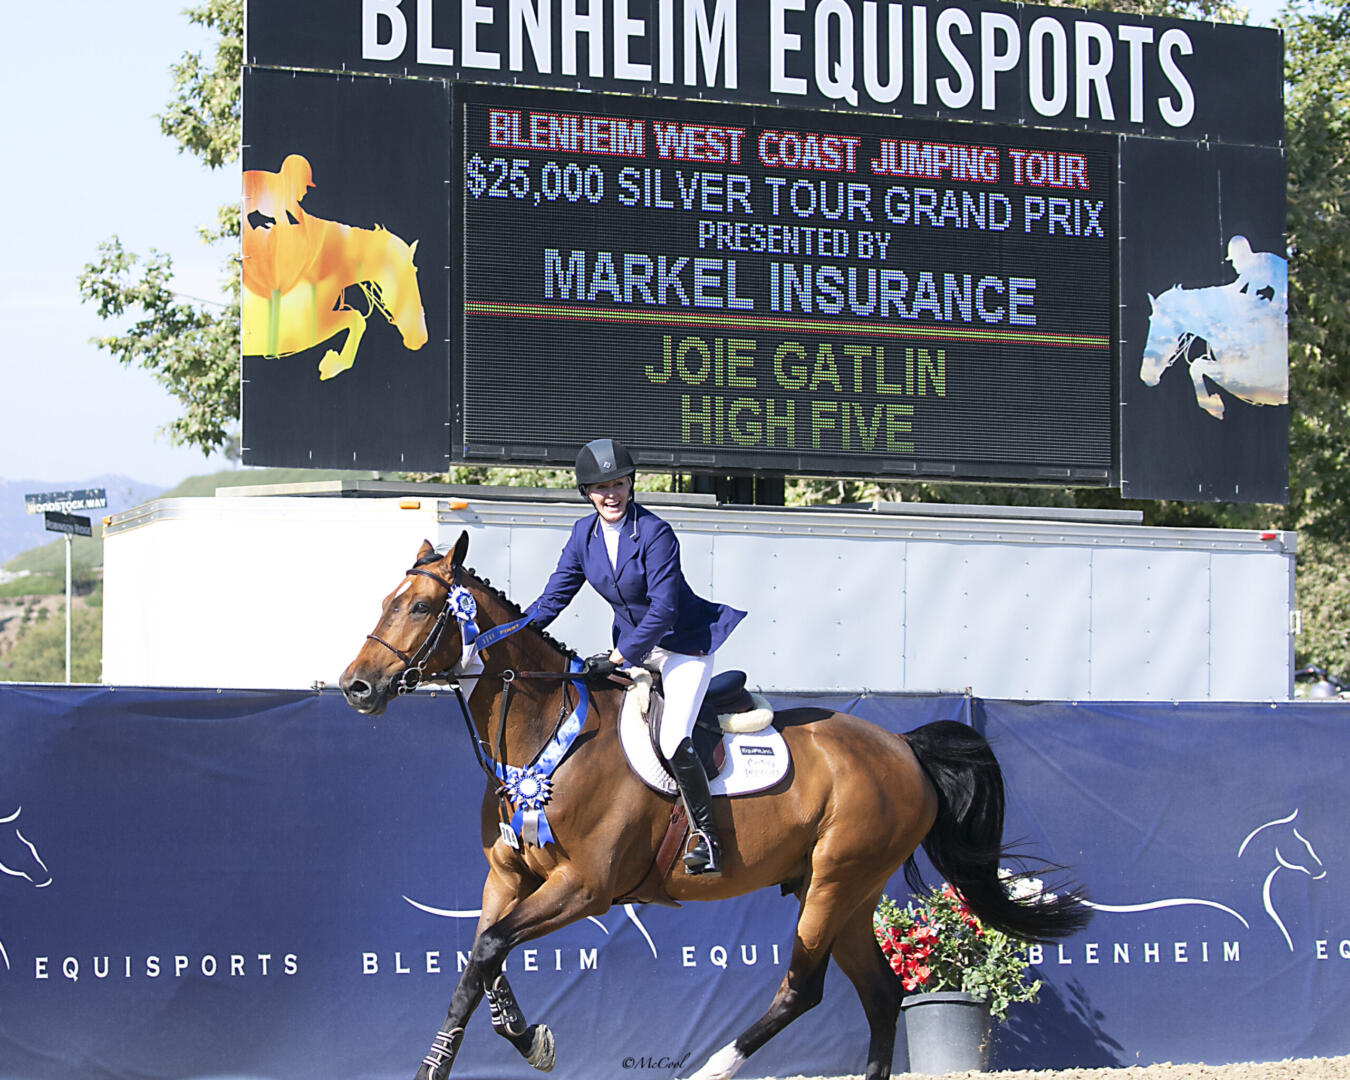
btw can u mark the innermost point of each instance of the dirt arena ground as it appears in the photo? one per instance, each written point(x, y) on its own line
point(1337, 1068)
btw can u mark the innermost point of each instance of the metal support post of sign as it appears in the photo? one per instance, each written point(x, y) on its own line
point(69, 541)
point(56, 507)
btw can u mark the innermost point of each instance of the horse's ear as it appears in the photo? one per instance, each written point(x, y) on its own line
point(460, 550)
point(425, 550)
point(412, 250)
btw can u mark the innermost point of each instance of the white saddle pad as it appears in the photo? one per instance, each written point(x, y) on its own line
point(755, 759)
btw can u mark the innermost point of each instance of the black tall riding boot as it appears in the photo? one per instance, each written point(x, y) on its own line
point(705, 857)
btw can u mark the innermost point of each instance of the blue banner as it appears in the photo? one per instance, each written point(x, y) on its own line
point(1212, 839)
point(267, 884)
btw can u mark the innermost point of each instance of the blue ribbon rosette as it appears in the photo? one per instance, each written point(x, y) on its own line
point(531, 788)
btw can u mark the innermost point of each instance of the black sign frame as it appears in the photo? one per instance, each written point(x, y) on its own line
point(1190, 87)
point(790, 57)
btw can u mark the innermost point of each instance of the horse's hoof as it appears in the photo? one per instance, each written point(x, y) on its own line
point(542, 1047)
point(332, 364)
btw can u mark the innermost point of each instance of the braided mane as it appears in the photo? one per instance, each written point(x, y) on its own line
point(516, 610)
point(510, 604)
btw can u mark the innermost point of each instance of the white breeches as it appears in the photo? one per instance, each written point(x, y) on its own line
point(684, 680)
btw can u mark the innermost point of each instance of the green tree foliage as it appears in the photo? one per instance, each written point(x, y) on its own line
point(1317, 124)
point(1317, 137)
point(190, 347)
point(39, 654)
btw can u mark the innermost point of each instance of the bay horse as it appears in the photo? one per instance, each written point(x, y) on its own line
point(295, 280)
point(856, 804)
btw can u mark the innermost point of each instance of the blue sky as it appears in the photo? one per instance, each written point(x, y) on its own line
point(83, 81)
point(85, 160)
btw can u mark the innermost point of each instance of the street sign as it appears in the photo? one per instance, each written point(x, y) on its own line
point(66, 501)
point(71, 524)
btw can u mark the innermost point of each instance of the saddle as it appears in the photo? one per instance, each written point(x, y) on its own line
point(727, 707)
point(735, 739)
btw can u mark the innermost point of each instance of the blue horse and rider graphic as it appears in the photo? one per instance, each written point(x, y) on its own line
point(1233, 336)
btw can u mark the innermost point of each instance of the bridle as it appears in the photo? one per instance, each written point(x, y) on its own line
point(460, 603)
point(415, 663)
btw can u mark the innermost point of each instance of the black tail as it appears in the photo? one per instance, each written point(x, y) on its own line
point(965, 844)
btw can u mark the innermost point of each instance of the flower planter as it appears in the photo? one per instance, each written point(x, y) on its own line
point(946, 1032)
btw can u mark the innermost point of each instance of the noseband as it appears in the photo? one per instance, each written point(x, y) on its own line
point(415, 664)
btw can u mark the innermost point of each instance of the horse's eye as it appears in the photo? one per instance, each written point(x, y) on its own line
point(420, 608)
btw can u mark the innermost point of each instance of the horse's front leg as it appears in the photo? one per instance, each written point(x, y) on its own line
point(1211, 403)
point(560, 900)
point(334, 361)
point(534, 1041)
point(502, 890)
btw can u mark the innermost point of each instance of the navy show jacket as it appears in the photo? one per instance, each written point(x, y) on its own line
point(653, 604)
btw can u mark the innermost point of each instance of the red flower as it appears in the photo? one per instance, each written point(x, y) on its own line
point(916, 978)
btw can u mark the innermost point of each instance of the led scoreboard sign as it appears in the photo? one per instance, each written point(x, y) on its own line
point(965, 241)
point(732, 287)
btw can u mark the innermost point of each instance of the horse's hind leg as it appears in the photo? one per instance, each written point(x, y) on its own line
point(825, 906)
point(860, 958)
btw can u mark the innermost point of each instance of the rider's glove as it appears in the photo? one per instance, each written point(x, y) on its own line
point(599, 666)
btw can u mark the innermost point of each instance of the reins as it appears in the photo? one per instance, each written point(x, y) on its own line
point(460, 603)
point(487, 761)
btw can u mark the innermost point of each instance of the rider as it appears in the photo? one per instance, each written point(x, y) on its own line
point(631, 558)
point(1258, 270)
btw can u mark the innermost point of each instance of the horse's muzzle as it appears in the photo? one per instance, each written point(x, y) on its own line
point(363, 696)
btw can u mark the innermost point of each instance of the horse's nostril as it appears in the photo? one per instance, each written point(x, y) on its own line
point(358, 689)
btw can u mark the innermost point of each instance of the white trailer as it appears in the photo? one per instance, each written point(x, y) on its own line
point(277, 587)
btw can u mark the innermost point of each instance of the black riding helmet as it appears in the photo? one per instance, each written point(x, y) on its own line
point(601, 460)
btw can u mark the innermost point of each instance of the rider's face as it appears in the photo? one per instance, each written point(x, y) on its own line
point(610, 499)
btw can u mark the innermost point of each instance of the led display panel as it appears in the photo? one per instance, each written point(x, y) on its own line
point(740, 288)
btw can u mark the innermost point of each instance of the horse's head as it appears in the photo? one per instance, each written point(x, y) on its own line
point(1292, 850)
point(1163, 344)
point(19, 857)
point(400, 296)
point(417, 636)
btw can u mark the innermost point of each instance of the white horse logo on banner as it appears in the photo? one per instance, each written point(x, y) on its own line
point(1281, 842)
point(19, 858)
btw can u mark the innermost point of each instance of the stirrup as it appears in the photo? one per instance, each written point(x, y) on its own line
point(703, 859)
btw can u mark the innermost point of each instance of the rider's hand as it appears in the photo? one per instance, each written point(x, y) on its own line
point(599, 666)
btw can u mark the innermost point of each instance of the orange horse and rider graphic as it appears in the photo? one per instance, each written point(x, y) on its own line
point(297, 269)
